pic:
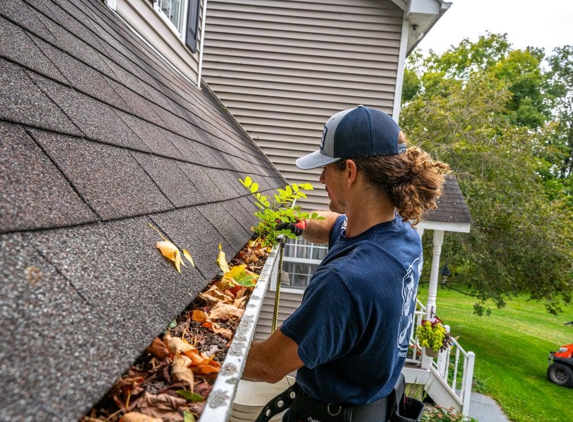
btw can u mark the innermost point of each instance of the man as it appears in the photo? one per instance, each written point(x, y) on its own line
point(349, 338)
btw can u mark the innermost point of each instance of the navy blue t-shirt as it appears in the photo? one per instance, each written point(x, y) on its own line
point(354, 323)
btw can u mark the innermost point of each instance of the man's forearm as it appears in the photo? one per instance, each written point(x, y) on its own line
point(318, 231)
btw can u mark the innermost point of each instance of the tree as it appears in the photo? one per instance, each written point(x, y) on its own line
point(482, 108)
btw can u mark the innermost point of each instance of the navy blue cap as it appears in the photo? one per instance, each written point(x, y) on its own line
point(352, 133)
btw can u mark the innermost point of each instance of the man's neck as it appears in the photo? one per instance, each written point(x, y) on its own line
point(363, 215)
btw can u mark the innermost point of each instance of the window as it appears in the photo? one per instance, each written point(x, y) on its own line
point(173, 11)
point(300, 261)
point(182, 16)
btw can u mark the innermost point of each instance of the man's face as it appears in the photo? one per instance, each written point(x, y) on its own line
point(333, 179)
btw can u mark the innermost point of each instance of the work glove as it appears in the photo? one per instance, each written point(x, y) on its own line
point(296, 228)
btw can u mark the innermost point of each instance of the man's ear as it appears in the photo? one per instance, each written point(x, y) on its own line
point(351, 172)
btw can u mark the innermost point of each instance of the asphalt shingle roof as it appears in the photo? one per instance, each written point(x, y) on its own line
point(452, 207)
point(99, 137)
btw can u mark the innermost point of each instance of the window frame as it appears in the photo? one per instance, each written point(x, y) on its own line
point(170, 25)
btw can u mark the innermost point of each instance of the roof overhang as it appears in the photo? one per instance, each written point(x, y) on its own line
point(421, 15)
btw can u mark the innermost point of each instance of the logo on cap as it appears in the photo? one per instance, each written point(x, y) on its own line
point(323, 137)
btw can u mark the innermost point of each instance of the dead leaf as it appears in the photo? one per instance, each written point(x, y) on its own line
point(176, 345)
point(214, 295)
point(138, 417)
point(158, 349)
point(180, 369)
point(240, 303)
point(222, 261)
point(223, 332)
point(187, 255)
point(225, 311)
point(163, 406)
point(199, 315)
point(171, 252)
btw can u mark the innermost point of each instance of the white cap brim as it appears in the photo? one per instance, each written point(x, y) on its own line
point(314, 160)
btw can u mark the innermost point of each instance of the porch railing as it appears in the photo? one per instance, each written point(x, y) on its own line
point(453, 369)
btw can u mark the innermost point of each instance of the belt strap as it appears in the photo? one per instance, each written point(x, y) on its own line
point(279, 403)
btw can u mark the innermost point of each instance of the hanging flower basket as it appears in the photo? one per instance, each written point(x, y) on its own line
point(433, 337)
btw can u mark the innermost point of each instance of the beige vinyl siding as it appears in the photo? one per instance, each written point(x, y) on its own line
point(289, 301)
point(143, 18)
point(284, 67)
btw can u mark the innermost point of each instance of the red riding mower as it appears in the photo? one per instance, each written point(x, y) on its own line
point(560, 370)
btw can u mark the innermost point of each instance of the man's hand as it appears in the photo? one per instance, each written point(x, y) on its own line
point(297, 228)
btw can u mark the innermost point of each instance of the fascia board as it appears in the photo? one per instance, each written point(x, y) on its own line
point(447, 227)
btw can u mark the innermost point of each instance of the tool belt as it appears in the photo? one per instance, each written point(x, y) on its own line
point(397, 407)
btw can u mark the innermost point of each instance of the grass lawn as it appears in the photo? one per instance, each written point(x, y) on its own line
point(511, 348)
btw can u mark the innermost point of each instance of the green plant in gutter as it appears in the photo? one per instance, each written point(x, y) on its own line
point(282, 209)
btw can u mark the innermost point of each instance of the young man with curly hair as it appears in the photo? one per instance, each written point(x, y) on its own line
point(349, 338)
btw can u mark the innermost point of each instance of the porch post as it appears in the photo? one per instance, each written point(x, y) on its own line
point(435, 272)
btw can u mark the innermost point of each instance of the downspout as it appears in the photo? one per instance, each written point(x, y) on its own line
point(202, 44)
point(400, 72)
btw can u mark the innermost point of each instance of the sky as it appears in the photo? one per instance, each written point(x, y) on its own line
point(546, 24)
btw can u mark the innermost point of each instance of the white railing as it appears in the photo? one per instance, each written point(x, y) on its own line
point(452, 363)
point(454, 366)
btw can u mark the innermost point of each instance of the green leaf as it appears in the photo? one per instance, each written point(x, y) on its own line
point(314, 215)
point(173, 324)
point(295, 187)
point(254, 187)
point(188, 416)
point(240, 275)
point(248, 181)
point(190, 396)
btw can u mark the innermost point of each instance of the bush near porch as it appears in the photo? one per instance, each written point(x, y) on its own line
point(512, 347)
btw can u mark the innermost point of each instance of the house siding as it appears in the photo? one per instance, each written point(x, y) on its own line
point(284, 67)
point(141, 16)
point(289, 301)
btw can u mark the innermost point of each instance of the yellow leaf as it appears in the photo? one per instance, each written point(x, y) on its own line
point(180, 369)
point(222, 261)
point(167, 249)
point(187, 255)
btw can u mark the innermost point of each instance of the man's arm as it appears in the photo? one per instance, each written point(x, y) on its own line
point(318, 231)
point(271, 360)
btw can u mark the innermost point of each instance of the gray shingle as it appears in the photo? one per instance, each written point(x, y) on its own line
point(172, 181)
point(33, 193)
point(452, 207)
point(82, 77)
point(227, 225)
point(21, 101)
point(151, 135)
point(69, 42)
point(19, 12)
point(203, 180)
point(51, 340)
point(95, 119)
point(108, 178)
point(139, 104)
point(16, 45)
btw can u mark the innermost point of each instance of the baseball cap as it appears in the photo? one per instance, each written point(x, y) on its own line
point(356, 132)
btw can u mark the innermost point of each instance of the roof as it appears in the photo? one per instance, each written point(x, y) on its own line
point(452, 209)
point(99, 137)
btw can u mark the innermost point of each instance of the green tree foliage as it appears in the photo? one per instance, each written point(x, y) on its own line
point(484, 109)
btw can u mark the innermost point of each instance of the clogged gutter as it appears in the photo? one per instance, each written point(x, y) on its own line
point(174, 379)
